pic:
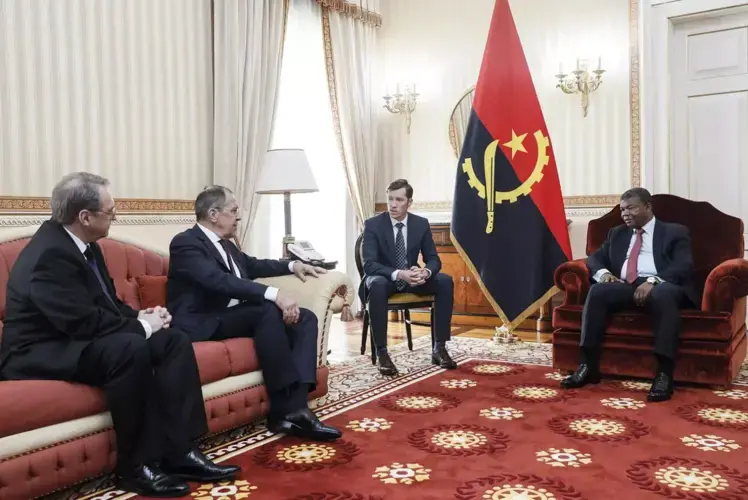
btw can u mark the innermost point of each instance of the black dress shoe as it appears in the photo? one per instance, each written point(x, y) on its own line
point(150, 481)
point(662, 388)
point(386, 366)
point(441, 357)
point(194, 466)
point(583, 376)
point(304, 424)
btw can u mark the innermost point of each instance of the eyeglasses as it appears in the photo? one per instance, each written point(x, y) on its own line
point(111, 214)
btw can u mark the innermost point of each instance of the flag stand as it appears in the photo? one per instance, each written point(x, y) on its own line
point(504, 336)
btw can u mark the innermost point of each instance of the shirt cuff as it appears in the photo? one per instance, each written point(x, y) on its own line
point(600, 274)
point(146, 327)
point(394, 276)
point(290, 265)
point(428, 271)
point(271, 293)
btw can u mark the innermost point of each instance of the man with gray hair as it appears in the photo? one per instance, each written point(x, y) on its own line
point(63, 321)
point(212, 295)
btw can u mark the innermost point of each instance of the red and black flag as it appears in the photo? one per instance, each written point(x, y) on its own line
point(508, 219)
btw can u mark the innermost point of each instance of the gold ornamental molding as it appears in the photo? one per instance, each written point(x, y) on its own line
point(37, 205)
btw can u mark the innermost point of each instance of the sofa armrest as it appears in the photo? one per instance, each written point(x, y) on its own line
point(726, 283)
point(324, 296)
point(573, 278)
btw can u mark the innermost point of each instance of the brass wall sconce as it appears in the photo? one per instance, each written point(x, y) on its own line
point(581, 81)
point(404, 103)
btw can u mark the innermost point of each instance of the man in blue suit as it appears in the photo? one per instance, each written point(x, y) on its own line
point(212, 295)
point(391, 244)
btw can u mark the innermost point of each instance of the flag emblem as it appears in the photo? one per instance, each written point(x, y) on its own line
point(488, 192)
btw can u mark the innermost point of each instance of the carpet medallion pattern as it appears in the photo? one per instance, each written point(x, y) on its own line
point(497, 428)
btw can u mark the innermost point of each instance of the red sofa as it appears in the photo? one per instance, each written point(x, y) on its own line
point(713, 337)
point(55, 434)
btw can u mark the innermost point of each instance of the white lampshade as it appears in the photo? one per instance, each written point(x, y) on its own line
point(286, 171)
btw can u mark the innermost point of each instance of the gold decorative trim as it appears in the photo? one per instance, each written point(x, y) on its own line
point(28, 204)
point(353, 10)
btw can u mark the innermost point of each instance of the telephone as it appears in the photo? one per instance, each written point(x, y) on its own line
point(303, 250)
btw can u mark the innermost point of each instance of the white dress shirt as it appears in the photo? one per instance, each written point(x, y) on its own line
point(405, 241)
point(270, 294)
point(645, 266)
point(83, 247)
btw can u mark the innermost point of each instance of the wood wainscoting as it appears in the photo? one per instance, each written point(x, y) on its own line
point(471, 308)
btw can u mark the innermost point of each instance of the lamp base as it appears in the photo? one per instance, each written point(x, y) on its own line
point(287, 240)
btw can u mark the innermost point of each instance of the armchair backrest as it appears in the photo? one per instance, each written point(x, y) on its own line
point(357, 255)
point(715, 236)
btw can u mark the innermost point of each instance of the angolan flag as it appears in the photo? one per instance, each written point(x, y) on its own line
point(508, 219)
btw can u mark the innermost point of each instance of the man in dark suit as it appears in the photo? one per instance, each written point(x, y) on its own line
point(212, 295)
point(65, 322)
point(390, 248)
point(643, 263)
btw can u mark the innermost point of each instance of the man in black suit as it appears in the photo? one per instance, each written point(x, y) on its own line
point(64, 322)
point(643, 263)
point(212, 295)
point(391, 244)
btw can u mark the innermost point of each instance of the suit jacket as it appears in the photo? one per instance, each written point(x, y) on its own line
point(55, 307)
point(671, 249)
point(200, 285)
point(378, 247)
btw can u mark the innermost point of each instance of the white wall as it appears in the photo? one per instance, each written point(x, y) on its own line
point(438, 45)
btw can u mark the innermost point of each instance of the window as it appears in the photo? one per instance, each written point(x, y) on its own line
point(304, 120)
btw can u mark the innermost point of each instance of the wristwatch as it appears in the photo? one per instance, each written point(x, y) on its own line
point(652, 280)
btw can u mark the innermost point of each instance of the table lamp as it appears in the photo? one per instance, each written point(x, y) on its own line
point(286, 171)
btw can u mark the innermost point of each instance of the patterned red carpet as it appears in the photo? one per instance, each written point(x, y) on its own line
point(497, 428)
point(505, 431)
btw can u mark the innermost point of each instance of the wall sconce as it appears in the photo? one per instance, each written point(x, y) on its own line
point(580, 82)
point(404, 103)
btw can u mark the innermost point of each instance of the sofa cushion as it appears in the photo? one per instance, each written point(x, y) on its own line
point(242, 356)
point(696, 324)
point(38, 403)
point(152, 290)
point(30, 404)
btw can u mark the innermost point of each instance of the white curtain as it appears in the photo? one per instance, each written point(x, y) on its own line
point(120, 88)
point(352, 51)
point(354, 45)
point(304, 120)
point(248, 41)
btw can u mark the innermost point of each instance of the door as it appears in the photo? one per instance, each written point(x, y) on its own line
point(709, 110)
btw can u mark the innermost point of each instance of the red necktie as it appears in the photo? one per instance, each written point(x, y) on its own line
point(633, 262)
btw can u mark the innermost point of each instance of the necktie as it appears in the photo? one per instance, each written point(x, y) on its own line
point(633, 262)
point(95, 268)
point(226, 245)
point(401, 257)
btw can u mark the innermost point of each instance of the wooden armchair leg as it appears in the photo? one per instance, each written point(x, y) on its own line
point(431, 324)
point(408, 329)
point(365, 333)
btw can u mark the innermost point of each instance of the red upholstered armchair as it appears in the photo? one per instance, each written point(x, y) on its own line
point(713, 338)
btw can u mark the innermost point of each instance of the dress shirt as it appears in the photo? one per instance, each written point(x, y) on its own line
point(405, 241)
point(83, 247)
point(646, 265)
point(271, 293)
